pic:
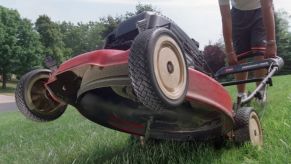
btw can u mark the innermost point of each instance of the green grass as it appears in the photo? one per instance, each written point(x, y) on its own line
point(10, 88)
point(73, 139)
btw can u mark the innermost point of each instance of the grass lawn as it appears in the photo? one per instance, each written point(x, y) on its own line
point(9, 90)
point(73, 139)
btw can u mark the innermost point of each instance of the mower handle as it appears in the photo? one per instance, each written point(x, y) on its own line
point(250, 66)
point(277, 64)
point(263, 83)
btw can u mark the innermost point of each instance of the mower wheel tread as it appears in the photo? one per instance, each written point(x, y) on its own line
point(20, 99)
point(242, 126)
point(139, 72)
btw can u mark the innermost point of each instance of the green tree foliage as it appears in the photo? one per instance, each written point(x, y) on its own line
point(110, 23)
point(283, 37)
point(144, 7)
point(31, 51)
point(51, 39)
point(82, 38)
point(19, 44)
point(64, 40)
point(215, 56)
point(139, 8)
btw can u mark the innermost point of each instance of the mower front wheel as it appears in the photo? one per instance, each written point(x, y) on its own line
point(248, 127)
point(34, 101)
point(158, 69)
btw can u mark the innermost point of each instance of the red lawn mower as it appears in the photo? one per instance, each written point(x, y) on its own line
point(149, 80)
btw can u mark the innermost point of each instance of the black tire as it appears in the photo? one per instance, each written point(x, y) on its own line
point(34, 101)
point(247, 127)
point(145, 81)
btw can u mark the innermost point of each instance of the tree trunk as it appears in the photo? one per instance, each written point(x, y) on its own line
point(4, 80)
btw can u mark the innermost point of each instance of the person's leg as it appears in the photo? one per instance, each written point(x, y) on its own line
point(258, 44)
point(241, 88)
point(258, 41)
point(241, 34)
point(261, 72)
point(261, 97)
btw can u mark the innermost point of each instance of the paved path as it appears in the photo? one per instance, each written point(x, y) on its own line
point(6, 99)
point(7, 103)
point(8, 107)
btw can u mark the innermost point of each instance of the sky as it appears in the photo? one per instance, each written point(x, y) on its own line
point(200, 19)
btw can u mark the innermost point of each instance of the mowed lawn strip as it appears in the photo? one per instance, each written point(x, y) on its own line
point(73, 139)
point(10, 88)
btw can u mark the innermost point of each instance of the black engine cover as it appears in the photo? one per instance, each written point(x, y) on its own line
point(123, 36)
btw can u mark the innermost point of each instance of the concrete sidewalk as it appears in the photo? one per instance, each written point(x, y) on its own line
point(7, 103)
point(8, 107)
point(6, 99)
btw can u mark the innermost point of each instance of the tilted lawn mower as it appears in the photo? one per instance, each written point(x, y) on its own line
point(149, 80)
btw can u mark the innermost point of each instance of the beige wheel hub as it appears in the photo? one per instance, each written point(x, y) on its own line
point(256, 135)
point(170, 67)
point(38, 98)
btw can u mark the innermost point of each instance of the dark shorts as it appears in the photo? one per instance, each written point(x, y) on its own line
point(248, 32)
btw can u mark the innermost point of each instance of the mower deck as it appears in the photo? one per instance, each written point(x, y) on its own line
point(203, 113)
point(149, 80)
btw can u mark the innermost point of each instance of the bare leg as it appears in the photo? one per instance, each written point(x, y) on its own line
point(241, 88)
point(261, 72)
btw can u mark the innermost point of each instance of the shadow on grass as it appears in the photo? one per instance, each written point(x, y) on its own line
point(165, 152)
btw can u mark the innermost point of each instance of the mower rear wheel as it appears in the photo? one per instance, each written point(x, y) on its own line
point(248, 127)
point(34, 101)
point(158, 69)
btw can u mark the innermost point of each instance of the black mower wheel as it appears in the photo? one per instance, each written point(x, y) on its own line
point(158, 69)
point(248, 127)
point(34, 101)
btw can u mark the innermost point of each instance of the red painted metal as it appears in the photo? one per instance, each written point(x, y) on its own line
point(125, 125)
point(202, 90)
point(102, 58)
point(208, 92)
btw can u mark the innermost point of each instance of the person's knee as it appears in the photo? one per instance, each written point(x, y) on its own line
point(258, 56)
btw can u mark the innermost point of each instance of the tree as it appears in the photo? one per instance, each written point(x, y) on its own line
point(73, 37)
point(283, 37)
point(94, 37)
point(19, 45)
point(31, 49)
point(139, 8)
point(214, 56)
point(82, 38)
point(51, 38)
point(110, 23)
point(144, 7)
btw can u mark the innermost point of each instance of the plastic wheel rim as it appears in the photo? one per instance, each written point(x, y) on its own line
point(169, 67)
point(37, 97)
point(255, 130)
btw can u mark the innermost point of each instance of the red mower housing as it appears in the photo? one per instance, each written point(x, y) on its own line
point(149, 80)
